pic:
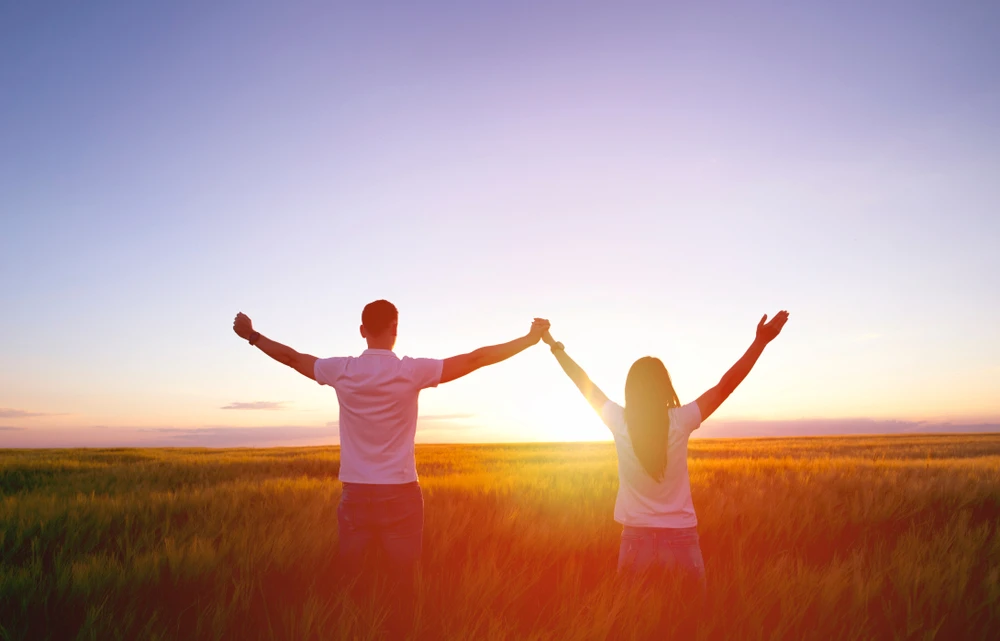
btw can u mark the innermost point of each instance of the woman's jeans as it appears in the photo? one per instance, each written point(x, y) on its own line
point(673, 550)
point(385, 519)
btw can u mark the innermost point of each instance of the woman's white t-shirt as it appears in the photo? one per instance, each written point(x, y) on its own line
point(642, 501)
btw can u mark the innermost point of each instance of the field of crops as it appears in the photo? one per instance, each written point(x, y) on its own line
point(832, 538)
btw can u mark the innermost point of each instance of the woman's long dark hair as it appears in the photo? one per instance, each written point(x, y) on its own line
point(649, 396)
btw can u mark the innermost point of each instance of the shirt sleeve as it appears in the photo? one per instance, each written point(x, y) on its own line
point(425, 372)
point(328, 370)
point(687, 417)
point(613, 416)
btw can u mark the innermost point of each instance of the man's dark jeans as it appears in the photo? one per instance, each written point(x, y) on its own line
point(389, 520)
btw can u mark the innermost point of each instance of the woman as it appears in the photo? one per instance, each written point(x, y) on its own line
point(651, 437)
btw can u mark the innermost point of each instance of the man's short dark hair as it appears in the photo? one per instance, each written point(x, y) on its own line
point(378, 316)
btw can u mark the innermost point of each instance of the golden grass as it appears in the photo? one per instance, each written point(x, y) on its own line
point(811, 538)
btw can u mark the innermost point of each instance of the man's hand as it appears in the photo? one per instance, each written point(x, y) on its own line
point(539, 327)
point(304, 364)
point(768, 331)
point(547, 339)
point(458, 366)
point(242, 326)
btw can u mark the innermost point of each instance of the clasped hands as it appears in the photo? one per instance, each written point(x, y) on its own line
point(540, 331)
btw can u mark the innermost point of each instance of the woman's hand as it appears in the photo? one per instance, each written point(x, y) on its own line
point(768, 331)
point(539, 327)
point(551, 342)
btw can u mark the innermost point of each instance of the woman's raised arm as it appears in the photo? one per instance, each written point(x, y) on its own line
point(591, 392)
point(766, 332)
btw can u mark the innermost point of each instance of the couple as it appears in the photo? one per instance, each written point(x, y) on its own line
point(381, 504)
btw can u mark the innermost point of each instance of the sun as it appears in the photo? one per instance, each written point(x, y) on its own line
point(556, 411)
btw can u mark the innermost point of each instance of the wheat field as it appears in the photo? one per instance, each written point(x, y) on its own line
point(808, 538)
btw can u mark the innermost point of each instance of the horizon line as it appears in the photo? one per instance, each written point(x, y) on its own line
point(860, 435)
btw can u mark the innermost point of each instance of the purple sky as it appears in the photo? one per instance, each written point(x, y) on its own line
point(652, 177)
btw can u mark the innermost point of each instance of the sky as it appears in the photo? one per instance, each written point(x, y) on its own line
point(651, 177)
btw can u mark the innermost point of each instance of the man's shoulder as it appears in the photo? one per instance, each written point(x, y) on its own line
point(421, 364)
point(328, 370)
point(424, 372)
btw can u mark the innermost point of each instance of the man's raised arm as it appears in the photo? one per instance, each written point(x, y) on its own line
point(302, 363)
point(459, 366)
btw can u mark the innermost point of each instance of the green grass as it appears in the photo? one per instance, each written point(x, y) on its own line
point(825, 538)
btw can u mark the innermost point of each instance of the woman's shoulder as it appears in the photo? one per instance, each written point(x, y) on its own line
point(686, 417)
point(613, 415)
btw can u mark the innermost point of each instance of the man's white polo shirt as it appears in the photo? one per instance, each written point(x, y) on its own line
point(378, 412)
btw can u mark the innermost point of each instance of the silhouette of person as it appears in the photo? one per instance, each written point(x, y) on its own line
point(651, 438)
point(381, 505)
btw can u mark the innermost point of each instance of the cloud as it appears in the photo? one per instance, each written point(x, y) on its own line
point(441, 423)
point(256, 405)
point(833, 426)
point(425, 427)
point(222, 436)
point(443, 417)
point(6, 412)
point(7, 428)
point(431, 421)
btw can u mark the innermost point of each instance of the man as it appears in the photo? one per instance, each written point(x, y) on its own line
point(381, 504)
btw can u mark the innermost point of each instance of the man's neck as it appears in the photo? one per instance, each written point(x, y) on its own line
point(386, 345)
